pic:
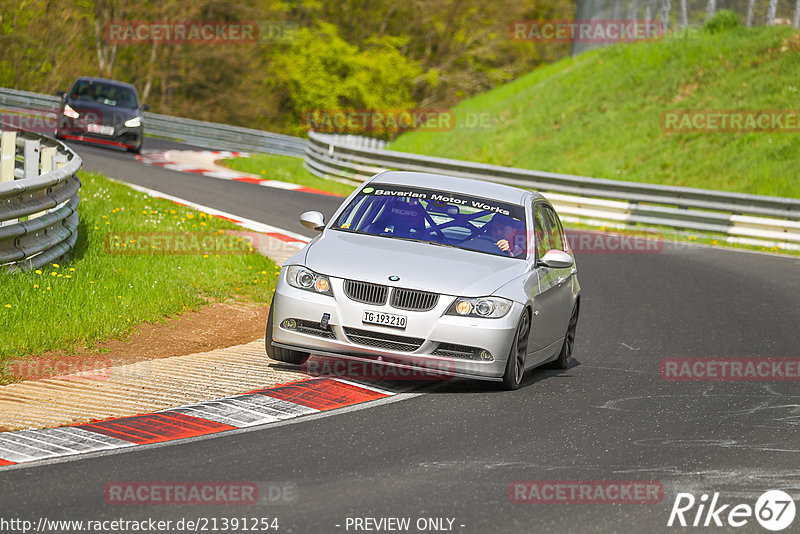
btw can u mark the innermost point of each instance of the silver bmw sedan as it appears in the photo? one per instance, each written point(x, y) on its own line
point(418, 271)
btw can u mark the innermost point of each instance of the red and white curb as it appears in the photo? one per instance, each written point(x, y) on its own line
point(204, 162)
point(273, 231)
point(258, 407)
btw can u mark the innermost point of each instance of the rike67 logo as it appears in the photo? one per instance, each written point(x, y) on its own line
point(774, 510)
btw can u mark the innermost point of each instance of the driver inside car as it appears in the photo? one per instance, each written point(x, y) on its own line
point(507, 234)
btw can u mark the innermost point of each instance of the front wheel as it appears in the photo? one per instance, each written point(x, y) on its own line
point(294, 357)
point(562, 362)
point(515, 366)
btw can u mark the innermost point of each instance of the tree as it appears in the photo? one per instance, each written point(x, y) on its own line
point(771, 10)
point(750, 6)
point(711, 8)
point(796, 20)
point(666, 8)
point(684, 15)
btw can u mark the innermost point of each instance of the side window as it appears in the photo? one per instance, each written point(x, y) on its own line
point(541, 231)
point(554, 229)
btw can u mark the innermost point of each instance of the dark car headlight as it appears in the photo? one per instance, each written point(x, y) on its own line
point(485, 307)
point(304, 278)
point(69, 112)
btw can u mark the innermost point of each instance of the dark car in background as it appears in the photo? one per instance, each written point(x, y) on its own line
point(101, 111)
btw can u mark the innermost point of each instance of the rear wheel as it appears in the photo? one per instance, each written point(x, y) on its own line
point(562, 362)
point(294, 357)
point(515, 366)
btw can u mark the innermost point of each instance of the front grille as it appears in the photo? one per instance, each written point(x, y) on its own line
point(383, 341)
point(451, 350)
point(313, 329)
point(365, 292)
point(410, 299)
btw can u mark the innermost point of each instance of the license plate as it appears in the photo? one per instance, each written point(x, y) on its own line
point(99, 128)
point(384, 319)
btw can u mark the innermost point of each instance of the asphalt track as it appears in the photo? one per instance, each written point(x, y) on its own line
point(453, 450)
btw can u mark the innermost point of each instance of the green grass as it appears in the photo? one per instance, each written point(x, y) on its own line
point(286, 169)
point(100, 294)
point(598, 114)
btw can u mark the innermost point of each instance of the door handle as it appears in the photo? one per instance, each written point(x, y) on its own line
point(562, 279)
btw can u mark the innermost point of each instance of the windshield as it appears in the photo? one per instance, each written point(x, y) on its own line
point(104, 93)
point(438, 217)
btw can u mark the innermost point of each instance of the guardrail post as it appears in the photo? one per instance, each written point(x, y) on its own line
point(48, 154)
point(30, 153)
point(47, 164)
point(60, 160)
point(8, 148)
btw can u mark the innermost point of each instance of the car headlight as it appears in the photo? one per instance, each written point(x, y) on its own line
point(486, 307)
point(134, 122)
point(69, 112)
point(303, 278)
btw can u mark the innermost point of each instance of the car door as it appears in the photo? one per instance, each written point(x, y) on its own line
point(545, 328)
point(563, 277)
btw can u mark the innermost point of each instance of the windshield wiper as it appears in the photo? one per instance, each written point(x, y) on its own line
point(448, 245)
point(351, 231)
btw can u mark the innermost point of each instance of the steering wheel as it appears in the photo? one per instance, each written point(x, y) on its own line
point(484, 243)
point(458, 224)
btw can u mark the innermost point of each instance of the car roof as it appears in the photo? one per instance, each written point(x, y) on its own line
point(106, 81)
point(467, 186)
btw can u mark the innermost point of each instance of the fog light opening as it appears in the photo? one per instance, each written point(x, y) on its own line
point(486, 356)
point(289, 324)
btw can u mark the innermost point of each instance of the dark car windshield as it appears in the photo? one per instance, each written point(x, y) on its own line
point(438, 217)
point(103, 93)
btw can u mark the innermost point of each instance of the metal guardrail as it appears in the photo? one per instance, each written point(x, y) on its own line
point(38, 199)
point(204, 134)
point(578, 198)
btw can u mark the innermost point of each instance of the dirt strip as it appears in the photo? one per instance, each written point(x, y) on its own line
point(145, 376)
point(140, 387)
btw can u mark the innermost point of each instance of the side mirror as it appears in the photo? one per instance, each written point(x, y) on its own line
point(145, 107)
point(313, 220)
point(61, 94)
point(557, 259)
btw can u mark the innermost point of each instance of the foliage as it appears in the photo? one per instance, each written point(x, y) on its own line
point(343, 53)
point(600, 114)
point(101, 293)
point(722, 20)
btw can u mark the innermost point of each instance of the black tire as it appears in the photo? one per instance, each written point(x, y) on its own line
point(564, 357)
point(515, 366)
point(294, 357)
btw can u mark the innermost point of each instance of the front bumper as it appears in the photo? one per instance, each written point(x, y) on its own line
point(123, 136)
point(425, 345)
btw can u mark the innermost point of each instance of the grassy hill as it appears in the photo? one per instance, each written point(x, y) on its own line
point(599, 114)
